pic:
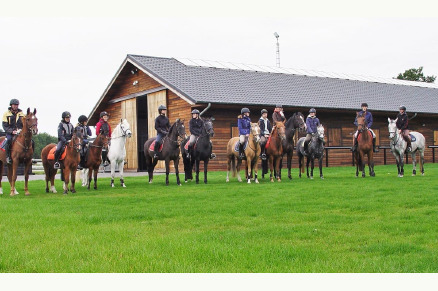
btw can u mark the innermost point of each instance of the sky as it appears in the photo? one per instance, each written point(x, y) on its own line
point(59, 57)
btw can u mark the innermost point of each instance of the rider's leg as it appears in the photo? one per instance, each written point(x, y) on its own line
point(375, 149)
point(307, 141)
point(157, 145)
point(354, 148)
point(58, 153)
point(8, 148)
point(407, 138)
point(190, 147)
point(241, 143)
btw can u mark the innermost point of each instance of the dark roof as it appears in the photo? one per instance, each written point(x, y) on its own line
point(218, 85)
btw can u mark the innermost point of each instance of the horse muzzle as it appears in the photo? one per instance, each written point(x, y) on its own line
point(129, 133)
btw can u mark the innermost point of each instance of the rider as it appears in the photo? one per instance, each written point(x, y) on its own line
point(103, 127)
point(402, 125)
point(162, 125)
point(369, 122)
point(278, 114)
point(12, 124)
point(195, 125)
point(65, 133)
point(312, 123)
point(244, 125)
point(82, 123)
point(265, 129)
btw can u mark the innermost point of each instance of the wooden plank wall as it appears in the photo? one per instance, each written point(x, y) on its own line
point(154, 100)
point(129, 111)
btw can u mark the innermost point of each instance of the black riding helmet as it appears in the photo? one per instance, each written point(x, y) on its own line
point(278, 106)
point(195, 111)
point(103, 113)
point(66, 114)
point(402, 107)
point(364, 105)
point(244, 110)
point(264, 111)
point(14, 102)
point(312, 110)
point(82, 119)
point(161, 107)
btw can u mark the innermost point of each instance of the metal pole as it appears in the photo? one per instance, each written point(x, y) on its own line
point(278, 53)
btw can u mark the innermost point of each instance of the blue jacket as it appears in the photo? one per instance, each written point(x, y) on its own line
point(244, 125)
point(312, 124)
point(368, 118)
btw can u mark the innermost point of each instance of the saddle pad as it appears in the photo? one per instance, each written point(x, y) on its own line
point(412, 137)
point(152, 146)
point(268, 142)
point(236, 146)
point(186, 146)
point(360, 134)
point(2, 145)
point(51, 155)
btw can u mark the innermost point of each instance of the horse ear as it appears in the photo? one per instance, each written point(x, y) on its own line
point(396, 119)
point(34, 111)
point(28, 110)
point(389, 119)
point(121, 120)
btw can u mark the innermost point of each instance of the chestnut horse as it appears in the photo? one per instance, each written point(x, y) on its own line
point(274, 149)
point(21, 152)
point(94, 157)
point(364, 147)
point(69, 164)
point(252, 153)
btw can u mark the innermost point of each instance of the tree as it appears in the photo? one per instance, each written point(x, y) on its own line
point(41, 140)
point(416, 75)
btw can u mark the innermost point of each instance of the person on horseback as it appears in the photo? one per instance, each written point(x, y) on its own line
point(265, 130)
point(12, 125)
point(103, 127)
point(65, 133)
point(278, 114)
point(82, 124)
point(244, 125)
point(402, 125)
point(195, 126)
point(162, 125)
point(369, 122)
point(312, 123)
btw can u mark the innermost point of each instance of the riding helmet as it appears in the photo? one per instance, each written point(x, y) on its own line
point(402, 107)
point(103, 113)
point(312, 110)
point(161, 107)
point(244, 110)
point(195, 111)
point(364, 105)
point(66, 114)
point(14, 102)
point(82, 118)
point(278, 106)
point(264, 111)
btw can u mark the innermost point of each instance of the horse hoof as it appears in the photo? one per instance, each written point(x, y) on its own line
point(272, 180)
point(27, 193)
point(16, 192)
point(257, 181)
point(179, 184)
point(311, 178)
point(249, 181)
point(124, 186)
point(422, 174)
point(73, 191)
point(12, 194)
point(65, 192)
point(322, 177)
point(1, 191)
point(227, 180)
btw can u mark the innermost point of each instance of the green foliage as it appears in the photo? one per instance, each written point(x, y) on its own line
point(41, 140)
point(416, 75)
point(340, 224)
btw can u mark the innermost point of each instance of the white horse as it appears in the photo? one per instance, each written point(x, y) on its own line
point(117, 150)
point(398, 147)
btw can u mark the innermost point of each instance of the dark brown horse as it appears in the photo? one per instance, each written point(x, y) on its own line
point(169, 152)
point(94, 157)
point(364, 147)
point(274, 151)
point(21, 152)
point(69, 164)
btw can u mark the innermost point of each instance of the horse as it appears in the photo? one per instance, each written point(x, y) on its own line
point(69, 164)
point(364, 147)
point(21, 152)
point(274, 149)
point(117, 149)
point(170, 151)
point(315, 150)
point(201, 152)
point(94, 157)
point(294, 122)
point(252, 153)
point(398, 148)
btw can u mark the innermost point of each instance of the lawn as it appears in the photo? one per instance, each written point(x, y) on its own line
point(340, 224)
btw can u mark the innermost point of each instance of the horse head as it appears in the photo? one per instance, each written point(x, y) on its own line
point(392, 128)
point(255, 131)
point(361, 126)
point(125, 128)
point(180, 129)
point(208, 126)
point(76, 140)
point(281, 130)
point(31, 121)
point(103, 140)
point(320, 132)
point(298, 121)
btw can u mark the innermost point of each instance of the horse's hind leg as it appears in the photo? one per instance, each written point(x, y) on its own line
point(414, 163)
point(113, 172)
point(371, 164)
point(239, 163)
point(73, 181)
point(320, 167)
point(26, 177)
point(307, 167)
point(228, 169)
point(289, 166)
point(176, 164)
point(90, 173)
point(122, 180)
point(422, 162)
point(205, 170)
point(95, 178)
point(197, 162)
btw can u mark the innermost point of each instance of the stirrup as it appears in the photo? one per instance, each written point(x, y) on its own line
point(9, 160)
point(79, 167)
point(105, 164)
point(212, 156)
point(188, 156)
point(263, 156)
point(56, 166)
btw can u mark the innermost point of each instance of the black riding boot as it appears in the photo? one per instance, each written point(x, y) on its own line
point(57, 165)
point(263, 154)
point(189, 151)
point(354, 148)
point(241, 154)
point(375, 149)
point(306, 146)
point(105, 158)
point(156, 149)
point(8, 152)
point(409, 147)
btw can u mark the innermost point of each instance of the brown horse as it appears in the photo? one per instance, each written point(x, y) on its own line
point(274, 151)
point(94, 157)
point(21, 152)
point(69, 164)
point(252, 153)
point(364, 147)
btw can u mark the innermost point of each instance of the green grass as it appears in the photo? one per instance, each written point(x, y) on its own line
point(340, 224)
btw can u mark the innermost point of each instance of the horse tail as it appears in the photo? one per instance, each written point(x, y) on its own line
point(233, 166)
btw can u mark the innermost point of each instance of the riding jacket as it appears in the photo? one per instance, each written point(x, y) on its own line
point(265, 126)
point(103, 126)
point(65, 131)
point(368, 118)
point(195, 126)
point(278, 116)
point(86, 131)
point(312, 124)
point(244, 124)
point(162, 124)
point(12, 120)
point(402, 121)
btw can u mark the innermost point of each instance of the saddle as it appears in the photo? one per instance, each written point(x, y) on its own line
point(152, 146)
point(236, 146)
point(360, 134)
point(412, 137)
point(51, 155)
point(186, 146)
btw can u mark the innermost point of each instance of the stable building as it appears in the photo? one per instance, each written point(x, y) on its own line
point(142, 83)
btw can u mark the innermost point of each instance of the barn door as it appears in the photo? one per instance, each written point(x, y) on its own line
point(154, 100)
point(334, 137)
point(129, 111)
point(435, 137)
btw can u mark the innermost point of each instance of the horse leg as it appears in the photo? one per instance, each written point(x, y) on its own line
point(66, 174)
point(13, 177)
point(228, 169)
point(176, 163)
point(197, 162)
point(312, 166)
point(1, 176)
point(248, 170)
point(320, 167)
point(289, 165)
point(371, 163)
point(278, 167)
point(239, 163)
point(362, 164)
point(52, 173)
point(271, 167)
point(402, 164)
point(73, 180)
point(122, 180)
point(113, 171)
point(95, 178)
point(422, 162)
point(90, 172)
point(205, 170)
point(307, 166)
point(26, 177)
point(414, 163)
point(255, 171)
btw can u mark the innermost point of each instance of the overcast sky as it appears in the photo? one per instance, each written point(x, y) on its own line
point(64, 57)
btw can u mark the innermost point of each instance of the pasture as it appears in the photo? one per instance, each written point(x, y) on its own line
point(340, 224)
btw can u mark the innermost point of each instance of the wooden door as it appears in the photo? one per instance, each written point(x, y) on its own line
point(129, 111)
point(154, 101)
point(435, 137)
point(334, 137)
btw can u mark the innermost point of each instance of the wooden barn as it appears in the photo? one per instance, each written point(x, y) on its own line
point(142, 83)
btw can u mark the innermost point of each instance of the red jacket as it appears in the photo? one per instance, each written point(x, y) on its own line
point(104, 126)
